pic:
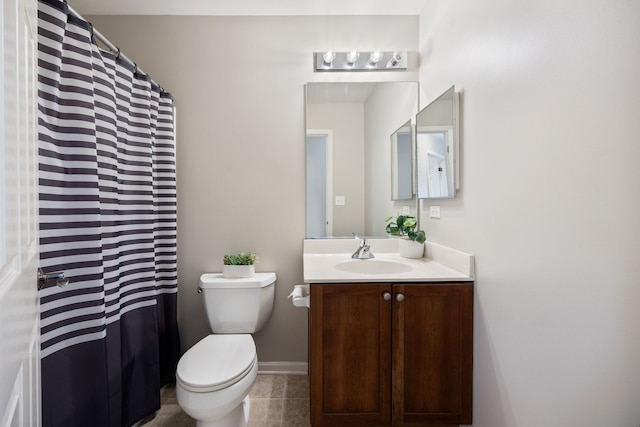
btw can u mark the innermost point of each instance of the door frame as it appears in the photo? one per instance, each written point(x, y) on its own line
point(20, 396)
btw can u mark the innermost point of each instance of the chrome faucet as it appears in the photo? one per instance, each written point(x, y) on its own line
point(364, 251)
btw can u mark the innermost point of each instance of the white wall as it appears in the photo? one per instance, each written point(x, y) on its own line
point(550, 97)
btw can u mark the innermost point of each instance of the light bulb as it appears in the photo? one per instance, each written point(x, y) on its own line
point(328, 57)
point(352, 57)
point(374, 58)
point(395, 59)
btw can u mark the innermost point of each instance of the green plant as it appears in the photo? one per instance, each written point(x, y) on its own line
point(405, 225)
point(242, 258)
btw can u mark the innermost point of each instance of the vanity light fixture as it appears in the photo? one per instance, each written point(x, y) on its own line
point(360, 61)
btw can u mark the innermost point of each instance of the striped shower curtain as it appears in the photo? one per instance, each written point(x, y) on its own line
point(109, 339)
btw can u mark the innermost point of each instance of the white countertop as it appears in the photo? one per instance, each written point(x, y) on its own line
point(441, 264)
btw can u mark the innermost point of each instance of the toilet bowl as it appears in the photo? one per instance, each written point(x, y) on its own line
point(214, 377)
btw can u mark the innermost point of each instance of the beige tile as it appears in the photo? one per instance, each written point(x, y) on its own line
point(265, 413)
point(269, 407)
point(148, 420)
point(171, 416)
point(296, 413)
point(168, 392)
point(296, 386)
point(268, 386)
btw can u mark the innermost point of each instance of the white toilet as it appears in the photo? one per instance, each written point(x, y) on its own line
point(214, 376)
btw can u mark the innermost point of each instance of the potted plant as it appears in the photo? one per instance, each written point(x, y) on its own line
point(411, 243)
point(239, 265)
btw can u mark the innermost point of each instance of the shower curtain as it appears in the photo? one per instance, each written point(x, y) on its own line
point(109, 339)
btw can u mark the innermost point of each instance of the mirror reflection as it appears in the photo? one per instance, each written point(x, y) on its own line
point(348, 160)
point(402, 163)
point(436, 149)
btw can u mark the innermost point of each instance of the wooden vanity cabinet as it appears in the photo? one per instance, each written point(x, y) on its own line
point(391, 354)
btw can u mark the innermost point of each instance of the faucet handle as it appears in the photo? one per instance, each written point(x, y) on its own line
point(365, 250)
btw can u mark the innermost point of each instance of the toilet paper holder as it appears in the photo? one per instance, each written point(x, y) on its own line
point(300, 296)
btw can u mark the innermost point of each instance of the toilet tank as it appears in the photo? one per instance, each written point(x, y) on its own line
point(237, 305)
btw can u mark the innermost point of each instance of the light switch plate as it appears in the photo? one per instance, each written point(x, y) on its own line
point(339, 200)
point(434, 211)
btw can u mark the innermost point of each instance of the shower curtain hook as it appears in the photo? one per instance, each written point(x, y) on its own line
point(118, 52)
point(93, 40)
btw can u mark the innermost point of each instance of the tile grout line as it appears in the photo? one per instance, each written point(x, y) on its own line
point(284, 395)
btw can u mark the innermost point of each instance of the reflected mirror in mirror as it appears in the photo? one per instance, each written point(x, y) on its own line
point(402, 163)
point(348, 160)
point(436, 147)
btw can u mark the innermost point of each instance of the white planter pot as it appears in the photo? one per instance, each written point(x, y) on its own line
point(238, 271)
point(410, 249)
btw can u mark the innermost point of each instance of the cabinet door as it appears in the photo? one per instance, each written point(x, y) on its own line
point(432, 353)
point(350, 354)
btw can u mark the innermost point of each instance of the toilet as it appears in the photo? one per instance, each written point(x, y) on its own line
point(214, 376)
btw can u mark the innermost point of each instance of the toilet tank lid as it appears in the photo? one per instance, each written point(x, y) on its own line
point(216, 280)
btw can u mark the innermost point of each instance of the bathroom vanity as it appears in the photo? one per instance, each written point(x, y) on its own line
point(391, 339)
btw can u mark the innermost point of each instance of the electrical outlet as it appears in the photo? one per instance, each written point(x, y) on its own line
point(434, 211)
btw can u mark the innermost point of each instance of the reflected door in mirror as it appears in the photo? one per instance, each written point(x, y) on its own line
point(437, 147)
point(319, 221)
point(433, 170)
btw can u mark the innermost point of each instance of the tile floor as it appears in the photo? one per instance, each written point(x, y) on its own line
point(276, 401)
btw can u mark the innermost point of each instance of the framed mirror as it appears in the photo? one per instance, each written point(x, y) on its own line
point(437, 147)
point(402, 163)
point(348, 161)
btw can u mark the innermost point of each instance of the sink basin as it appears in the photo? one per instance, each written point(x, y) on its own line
point(373, 266)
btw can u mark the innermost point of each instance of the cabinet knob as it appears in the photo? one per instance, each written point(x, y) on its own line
point(400, 297)
point(386, 296)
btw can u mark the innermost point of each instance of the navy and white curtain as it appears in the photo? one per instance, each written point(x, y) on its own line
point(108, 220)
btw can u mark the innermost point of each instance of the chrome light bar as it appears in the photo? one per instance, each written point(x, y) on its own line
point(360, 61)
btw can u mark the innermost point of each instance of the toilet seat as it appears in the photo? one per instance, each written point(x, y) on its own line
point(216, 362)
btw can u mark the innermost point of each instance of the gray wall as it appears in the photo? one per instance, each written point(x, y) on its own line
point(238, 84)
point(549, 202)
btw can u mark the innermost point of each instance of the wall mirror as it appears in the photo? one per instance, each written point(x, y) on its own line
point(348, 160)
point(402, 163)
point(437, 147)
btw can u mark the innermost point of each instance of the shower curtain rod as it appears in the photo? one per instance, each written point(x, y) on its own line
point(113, 48)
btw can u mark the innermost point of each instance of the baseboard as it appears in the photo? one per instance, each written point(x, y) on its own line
point(289, 368)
